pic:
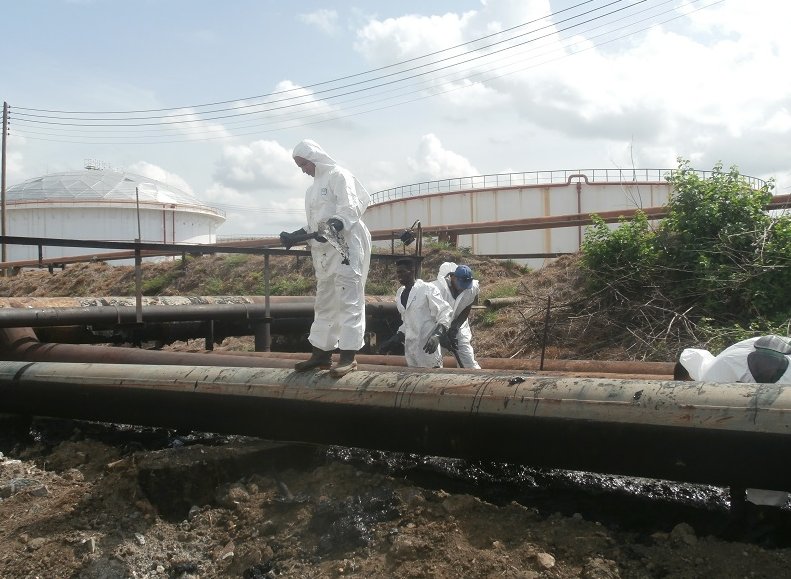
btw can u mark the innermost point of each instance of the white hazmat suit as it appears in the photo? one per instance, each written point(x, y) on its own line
point(424, 309)
point(340, 288)
point(727, 367)
point(466, 298)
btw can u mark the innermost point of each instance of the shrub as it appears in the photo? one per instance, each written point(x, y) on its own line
point(718, 255)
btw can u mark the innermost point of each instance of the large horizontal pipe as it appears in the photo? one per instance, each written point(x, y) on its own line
point(89, 301)
point(167, 332)
point(728, 434)
point(110, 314)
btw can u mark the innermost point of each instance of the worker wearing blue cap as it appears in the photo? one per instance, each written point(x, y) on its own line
point(459, 289)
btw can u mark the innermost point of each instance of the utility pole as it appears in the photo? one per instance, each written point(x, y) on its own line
point(2, 184)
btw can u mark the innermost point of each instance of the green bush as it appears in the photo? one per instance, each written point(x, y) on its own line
point(718, 255)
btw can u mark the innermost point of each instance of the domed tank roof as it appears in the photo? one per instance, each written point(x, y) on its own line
point(98, 185)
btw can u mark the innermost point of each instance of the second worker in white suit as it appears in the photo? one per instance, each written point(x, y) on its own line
point(425, 318)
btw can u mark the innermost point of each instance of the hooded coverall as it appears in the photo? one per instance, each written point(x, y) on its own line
point(424, 309)
point(339, 319)
point(730, 366)
point(460, 302)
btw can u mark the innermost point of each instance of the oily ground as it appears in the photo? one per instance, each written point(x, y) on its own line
point(94, 500)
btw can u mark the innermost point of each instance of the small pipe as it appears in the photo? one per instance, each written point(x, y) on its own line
point(496, 303)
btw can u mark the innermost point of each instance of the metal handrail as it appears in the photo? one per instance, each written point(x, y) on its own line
point(533, 178)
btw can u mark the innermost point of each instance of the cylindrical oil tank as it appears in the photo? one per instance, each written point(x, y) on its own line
point(106, 205)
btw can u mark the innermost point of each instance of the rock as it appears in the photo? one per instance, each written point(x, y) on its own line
point(598, 568)
point(36, 543)
point(683, 533)
point(17, 485)
point(545, 560)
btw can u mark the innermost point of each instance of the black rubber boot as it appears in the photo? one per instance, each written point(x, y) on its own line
point(346, 363)
point(320, 359)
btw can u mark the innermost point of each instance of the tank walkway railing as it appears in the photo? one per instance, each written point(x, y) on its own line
point(266, 245)
point(536, 178)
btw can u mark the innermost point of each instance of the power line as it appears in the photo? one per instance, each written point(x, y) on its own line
point(327, 81)
point(341, 116)
point(416, 86)
point(24, 116)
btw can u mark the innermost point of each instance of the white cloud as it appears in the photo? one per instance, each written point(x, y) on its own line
point(394, 39)
point(259, 166)
point(256, 212)
point(323, 19)
point(152, 171)
point(433, 161)
point(191, 124)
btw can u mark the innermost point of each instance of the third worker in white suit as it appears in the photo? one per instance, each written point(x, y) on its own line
point(460, 290)
point(425, 319)
point(338, 200)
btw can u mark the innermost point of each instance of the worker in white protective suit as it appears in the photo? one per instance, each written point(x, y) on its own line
point(458, 288)
point(763, 360)
point(338, 200)
point(425, 319)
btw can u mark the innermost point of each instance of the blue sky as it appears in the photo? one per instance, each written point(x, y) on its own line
point(653, 80)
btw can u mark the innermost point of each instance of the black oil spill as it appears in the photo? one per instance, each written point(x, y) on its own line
point(628, 504)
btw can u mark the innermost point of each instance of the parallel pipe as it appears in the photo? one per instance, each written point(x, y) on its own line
point(728, 434)
point(33, 351)
point(658, 370)
point(109, 314)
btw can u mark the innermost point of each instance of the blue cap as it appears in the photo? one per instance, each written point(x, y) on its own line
point(463, 275)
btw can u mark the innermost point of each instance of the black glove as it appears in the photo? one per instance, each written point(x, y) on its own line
point(450, 340)
point(335, 223)
point(392, 343)
point(287, 239)
point(434, 339)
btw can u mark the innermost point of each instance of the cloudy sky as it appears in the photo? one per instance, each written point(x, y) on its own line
point(212, 96)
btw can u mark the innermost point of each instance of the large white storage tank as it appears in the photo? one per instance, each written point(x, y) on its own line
point(93, 204)
point(503, 197)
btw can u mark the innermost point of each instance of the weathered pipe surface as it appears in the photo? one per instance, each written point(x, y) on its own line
point(33, 351)
point(30, 350)
point(728, 434)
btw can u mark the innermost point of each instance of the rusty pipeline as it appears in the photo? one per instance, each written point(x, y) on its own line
point(113, 314)
point(33, 351)
point(728, 434)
